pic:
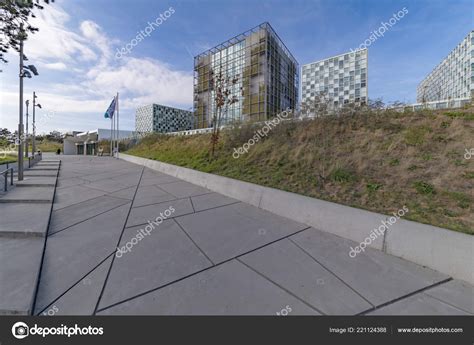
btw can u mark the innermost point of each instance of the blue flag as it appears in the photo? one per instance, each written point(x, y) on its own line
point(111, 110)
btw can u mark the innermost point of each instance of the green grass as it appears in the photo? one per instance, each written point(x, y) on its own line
point(460, 114)
point(374, 162)
point(424, 188)
point(7, 159)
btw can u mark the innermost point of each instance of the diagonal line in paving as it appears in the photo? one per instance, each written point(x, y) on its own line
point(408, 295)
point(198, 272)
point(281, 287)
point(77, 282)
point(191, 239)
point(334, 274)
point(181, 215)
point(82, 221)
point(118, 243)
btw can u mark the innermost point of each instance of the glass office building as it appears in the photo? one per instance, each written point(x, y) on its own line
point(453, 78)
point(341, 79)
point(162, 119)
point(265, 71)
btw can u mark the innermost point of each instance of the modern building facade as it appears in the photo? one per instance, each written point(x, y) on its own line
point(340, 79)
point(453, 78)
point(162, 119)
point(87, 143)
point(265, 74)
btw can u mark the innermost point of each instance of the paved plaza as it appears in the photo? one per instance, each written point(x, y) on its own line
point(185, 250)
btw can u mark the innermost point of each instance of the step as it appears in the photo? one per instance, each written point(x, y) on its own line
point(24, 220)
point(19, 272)
point(25, 214)
point(37, 181)
point(29, 195)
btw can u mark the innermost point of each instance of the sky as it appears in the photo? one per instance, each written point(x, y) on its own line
point(76, 50)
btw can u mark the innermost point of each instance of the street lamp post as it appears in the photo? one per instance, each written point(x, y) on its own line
point(25, 71)
point(20, 124)
point(27, 102)
point(34, 122)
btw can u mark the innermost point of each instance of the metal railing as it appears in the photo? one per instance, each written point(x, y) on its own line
point(12, 168)
point(5, 175)
point(32, 160)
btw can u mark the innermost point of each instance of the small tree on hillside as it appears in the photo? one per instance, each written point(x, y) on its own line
point(224, 96)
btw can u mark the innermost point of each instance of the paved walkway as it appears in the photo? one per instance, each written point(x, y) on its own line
point(187, 250)
point(24, 216)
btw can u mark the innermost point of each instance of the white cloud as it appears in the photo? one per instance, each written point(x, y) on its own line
point(94, 76)
point(58, 66)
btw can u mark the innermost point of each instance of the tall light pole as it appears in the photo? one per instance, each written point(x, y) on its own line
point(24, 72)
point(20, 124)
point(34, 123)
point(27, 102)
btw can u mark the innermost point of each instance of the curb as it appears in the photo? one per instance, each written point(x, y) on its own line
point(423, 244)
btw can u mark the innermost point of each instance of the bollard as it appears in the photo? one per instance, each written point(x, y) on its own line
point(11, 176)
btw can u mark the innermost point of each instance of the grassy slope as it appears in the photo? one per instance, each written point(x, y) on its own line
point(377, 162)
point(7, 159)
point(48, 146)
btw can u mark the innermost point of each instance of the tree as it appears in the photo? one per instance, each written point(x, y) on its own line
point(222, 85)
point(376, 104)
point(15, 14)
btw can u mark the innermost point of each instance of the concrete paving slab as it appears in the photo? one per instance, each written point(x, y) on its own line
point(37, 181)
point(107, 185)
point(151, 195)
point(129, 179)
point(70, 196)
point(82, 298)
point(102, 175)
point(207, 201)
point(143, 214)
point(43, 168)
point(47, 164)
point(183, 189)
point(288, 266)
point(29, 195)
point(228, 231)
point(157, 180)
point(77, 213)
point(70, 182)
point(71, 254)
point(24, 220)
point(28, 173)
point(419, 304)
point(150, 173)
point(378, 277)
point(19, 270)
point(162, 257)
point(228, 289)
point(127, 193)
point(457, 293)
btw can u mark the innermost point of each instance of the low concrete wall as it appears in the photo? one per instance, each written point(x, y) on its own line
point(443, 250)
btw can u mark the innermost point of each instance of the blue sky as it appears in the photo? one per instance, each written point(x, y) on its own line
point(78, 39)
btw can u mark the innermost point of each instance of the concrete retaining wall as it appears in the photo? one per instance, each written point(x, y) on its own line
point(446, 251)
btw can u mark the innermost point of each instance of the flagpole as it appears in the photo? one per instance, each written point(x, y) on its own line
point(111, 119)
point(114, 133)
point(118, 128)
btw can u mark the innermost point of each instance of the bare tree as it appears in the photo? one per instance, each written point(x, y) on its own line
point(224, 96)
